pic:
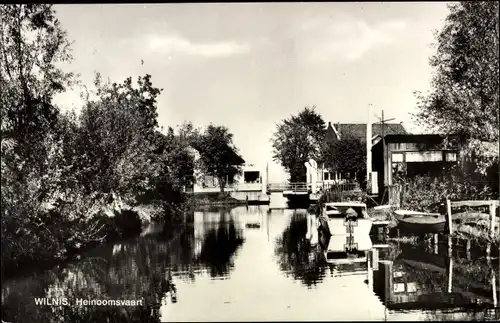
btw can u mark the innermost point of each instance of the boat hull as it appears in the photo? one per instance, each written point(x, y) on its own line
point(342, 227)
point(422, 228)
point(420, 223)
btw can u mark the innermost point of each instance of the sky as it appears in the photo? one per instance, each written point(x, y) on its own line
point(249, 66)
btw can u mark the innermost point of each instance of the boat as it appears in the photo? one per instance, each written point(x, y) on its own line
point(345, 218)
point(420, 222)
point(346, 249)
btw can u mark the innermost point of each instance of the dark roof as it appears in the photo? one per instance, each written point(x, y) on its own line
point(237, 159)
point(230, 154)
point(432, 138)
point(358, 130)
point(330, 135)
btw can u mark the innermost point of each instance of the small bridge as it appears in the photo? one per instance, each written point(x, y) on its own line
point(284, 187)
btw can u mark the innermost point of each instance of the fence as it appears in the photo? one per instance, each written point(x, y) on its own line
point(280, 187)
point(340, 192)
point(346, 186)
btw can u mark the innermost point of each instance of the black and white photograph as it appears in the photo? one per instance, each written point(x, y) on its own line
point(272, 161)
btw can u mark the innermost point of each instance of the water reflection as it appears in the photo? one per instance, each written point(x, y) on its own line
point(439, 286)
point(420, 280)
point(218, 267)
point(217, 240)
point(296, 255)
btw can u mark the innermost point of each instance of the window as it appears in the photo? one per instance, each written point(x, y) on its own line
point(326, 176)
point(424, 156)
point(451, 156)
point(397, 274)
point(397, 157)
point(251, 176)
point(399, 288)
point(411, 146)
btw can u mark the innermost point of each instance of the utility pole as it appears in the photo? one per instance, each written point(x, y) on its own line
point(384, 148)
point(369, 149)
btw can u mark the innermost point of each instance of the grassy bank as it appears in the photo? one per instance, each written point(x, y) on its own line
point(105, 226)
point(215, 199)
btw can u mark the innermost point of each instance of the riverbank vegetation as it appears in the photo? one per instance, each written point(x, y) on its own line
point(71, 180)
point(215, 199)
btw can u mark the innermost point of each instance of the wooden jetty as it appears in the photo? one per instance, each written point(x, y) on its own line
point(491, 204)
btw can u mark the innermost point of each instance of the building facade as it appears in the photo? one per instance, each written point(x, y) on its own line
point(334, 132)
point(403, 156)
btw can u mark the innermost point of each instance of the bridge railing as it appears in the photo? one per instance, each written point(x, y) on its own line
point(298, 187)
point(280, 187)
point(320, 186)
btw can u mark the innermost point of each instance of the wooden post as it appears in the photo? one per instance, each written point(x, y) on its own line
point(370, 274)
point(492, 219)
point(450, 275)
point(448, 210)
point(468, 249)
point(494, 287)
point(375, 261)
point(436, 244)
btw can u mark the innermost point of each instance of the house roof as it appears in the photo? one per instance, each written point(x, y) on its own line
point(358, 130)
point(230, 154)
point(419, 137)
point(331, 134)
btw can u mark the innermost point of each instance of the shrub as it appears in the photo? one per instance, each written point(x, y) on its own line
point(423, 193)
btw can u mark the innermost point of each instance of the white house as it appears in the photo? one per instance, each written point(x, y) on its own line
point(253, 178)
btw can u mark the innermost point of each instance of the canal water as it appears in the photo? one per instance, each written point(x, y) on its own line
point(257, 263)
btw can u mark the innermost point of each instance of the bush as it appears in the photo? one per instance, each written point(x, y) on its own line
point(423, 193)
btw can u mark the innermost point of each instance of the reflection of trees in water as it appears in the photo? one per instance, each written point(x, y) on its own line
point(464, 315)
point(295, 254)
point(137, 269)
point(84, 314)
point(131, 271)
point(219, 246)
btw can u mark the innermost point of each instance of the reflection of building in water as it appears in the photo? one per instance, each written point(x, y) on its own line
point(349, 255)
point(312, 229)
point(416, 282)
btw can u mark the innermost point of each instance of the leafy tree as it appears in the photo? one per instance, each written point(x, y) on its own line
point(298, 139)
point(117, 132)
point(464, 96)
point(32, 44)
point(217, 154)
point(347, 155)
